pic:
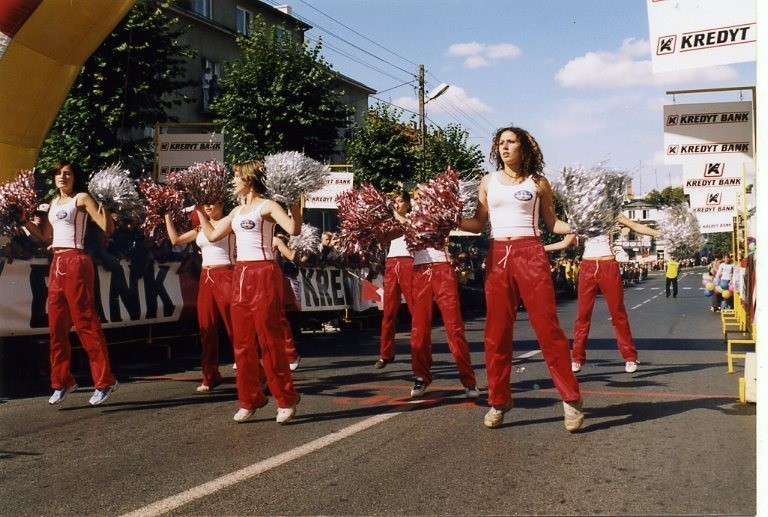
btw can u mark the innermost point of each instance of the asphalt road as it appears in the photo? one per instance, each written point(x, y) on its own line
point(670, 439)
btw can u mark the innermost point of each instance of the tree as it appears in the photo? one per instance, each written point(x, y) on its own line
point(128, 84)
point(384, 150)
point(449, 146)
point(667, 196)
point(278, 96)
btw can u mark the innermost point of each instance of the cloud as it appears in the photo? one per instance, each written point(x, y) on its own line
point(629, 66)
point(477, 55)
point(447, 102)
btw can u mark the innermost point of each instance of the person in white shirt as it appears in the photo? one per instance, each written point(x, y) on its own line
point(71, 297)
point(513, 199)
point(257, 293)
point(398, 275)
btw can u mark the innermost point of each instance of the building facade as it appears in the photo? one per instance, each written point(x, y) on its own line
point(213, 26)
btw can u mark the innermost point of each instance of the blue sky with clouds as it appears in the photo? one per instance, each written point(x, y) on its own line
point(577, 75)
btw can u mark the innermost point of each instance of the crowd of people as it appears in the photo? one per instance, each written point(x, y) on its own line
point(251, 292)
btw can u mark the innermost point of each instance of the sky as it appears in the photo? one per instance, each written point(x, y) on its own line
point(576, 75)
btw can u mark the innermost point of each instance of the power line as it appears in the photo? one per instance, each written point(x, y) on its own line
point(359, 34)
point(359, 61)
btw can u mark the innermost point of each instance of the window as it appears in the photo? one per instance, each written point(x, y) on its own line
point(243, 19)
point(631, 214)
point(203, 7)
point(283, 35)
point(209, 82)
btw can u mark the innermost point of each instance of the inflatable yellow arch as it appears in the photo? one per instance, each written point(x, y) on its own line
point(43, 45)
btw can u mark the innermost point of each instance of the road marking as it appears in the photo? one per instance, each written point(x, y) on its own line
point(176, 501)
point(528, 354)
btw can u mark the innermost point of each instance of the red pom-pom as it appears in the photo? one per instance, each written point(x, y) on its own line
point(363, 212)
point(435, 213)
point(161, 200)
point(18, 199)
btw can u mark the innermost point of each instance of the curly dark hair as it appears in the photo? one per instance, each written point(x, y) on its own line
point(533, 159)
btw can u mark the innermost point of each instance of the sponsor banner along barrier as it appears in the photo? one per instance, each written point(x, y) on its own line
point(163, 292)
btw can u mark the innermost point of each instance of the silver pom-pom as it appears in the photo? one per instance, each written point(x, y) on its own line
point(680, 230)
point(291, 174)
point(468, 196)
point(114, 188)
point(592, 197)
point(307, 241)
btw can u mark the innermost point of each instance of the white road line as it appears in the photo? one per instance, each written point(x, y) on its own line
point(171, 503)
point(528, 354)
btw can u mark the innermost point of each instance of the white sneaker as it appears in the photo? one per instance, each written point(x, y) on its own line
point(495, 417)
point(286, 414)
point(295, 364)
point(472, 392)
point(574, 416)
point(631, 366)
point(419, 388)
point(575, 367)
point(101, 395)
point(59, 395)
point(243, 415)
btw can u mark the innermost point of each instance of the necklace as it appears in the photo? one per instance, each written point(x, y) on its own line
point(515, 177)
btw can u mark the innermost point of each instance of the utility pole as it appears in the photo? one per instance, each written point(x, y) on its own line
point(422, 116)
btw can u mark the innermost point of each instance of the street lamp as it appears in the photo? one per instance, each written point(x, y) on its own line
point(423, 100)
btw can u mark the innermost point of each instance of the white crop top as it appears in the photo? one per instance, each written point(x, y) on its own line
point(253, 234)
point(429, 255)
point(512, 209)
point(397, 248)
point(596, 247)
point(219, 253)
point(68, 223)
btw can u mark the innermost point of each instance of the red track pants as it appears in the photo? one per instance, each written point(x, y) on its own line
point(603, 276)
point(257, 311)
point(71, 300)
point(437, 281)
point(513, 268)
point(214, 301)
point(398, 274)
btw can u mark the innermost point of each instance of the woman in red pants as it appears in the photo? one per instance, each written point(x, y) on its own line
point(599, 272)
point(71, 298)
point(398, 272)
point(214, 293)
point(257, 293)
point(513, 198)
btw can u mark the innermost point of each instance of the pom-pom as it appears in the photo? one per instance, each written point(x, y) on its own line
point(592, 198)
point(435, 213)
point(161, 200)
point(205, 183)
point(18, 199)
point(114, 188)
point(363, 212)
point(291, 174)
point(468, 196)
point(679, 228)
point(307, 241)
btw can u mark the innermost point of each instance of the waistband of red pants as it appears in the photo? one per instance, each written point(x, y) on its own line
point(522, 242)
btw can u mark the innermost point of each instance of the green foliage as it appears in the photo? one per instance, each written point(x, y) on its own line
point(131, 82)
point(449, 147)
point(721, 242)
point(387, 152)
point(278, 96)
point(384, 150)
point(667, 196)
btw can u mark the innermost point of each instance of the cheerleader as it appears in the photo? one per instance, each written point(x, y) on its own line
point(71, 297)
point(512, 198)
point(257, 294)
point(398, 272)
point(214, 293)
point(434, 280)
